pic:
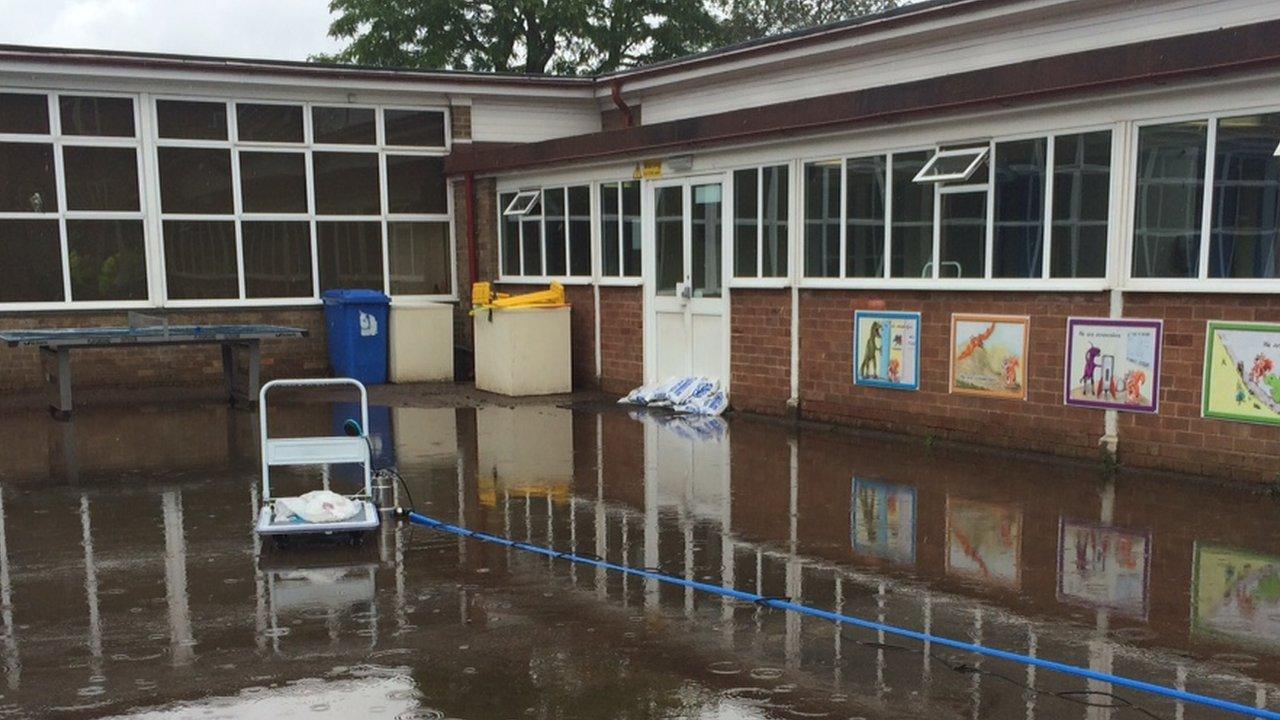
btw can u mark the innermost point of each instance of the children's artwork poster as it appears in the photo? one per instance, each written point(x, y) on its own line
point(1113, 364)
point(886, 349)
point(883, 521)
point(989, 355)
point(1235, 595)
point(1104, 567)
point(1242, 372)
point(984, 542)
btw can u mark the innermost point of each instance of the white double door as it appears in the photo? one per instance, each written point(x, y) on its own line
point(686, 278)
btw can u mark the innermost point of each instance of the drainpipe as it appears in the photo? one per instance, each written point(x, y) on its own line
point(472, 251)
point(615, 91)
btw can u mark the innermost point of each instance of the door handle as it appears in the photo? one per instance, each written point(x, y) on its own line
point(684, 290)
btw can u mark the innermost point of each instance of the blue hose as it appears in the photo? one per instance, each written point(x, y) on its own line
point(785, 604)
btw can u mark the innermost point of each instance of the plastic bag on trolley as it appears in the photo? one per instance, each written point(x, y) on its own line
point(317, 506)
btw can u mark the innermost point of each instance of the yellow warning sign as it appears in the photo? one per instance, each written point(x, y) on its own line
point(648, 170)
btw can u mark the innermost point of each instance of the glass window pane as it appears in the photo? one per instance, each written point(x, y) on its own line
point(195, 181)
point(100, 116)
point(30, 261)
point(963, 235)
point(269, 123)
point(101, 178)
point(668, 218)
point(864, 212)
point(108, 260)
point(746, 223)
point(347, 183)
point(1081, 204)
point(420, 262)
point(510, 241)
point(191, 120)
point(531, 241)
point(1244, 240)
point(414, 128)
point(1169, 200)
point(277, 259)
point(272, 182)
point(580, 230)
point(200, 259)
point(416, 184)
point(557, 229)
point(776, 211)
point(350, 255)
point(911, 239)
point(348, 126)
point(609, 231)
point(1018, 228)
point(631, 228)
point(707, 238)
point(27, 178)
point(24, 113)
point(822, 219)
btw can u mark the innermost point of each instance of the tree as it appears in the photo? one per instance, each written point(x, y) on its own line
point(561, 36)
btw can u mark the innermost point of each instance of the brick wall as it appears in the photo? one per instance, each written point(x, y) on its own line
point(760, 350)
point(460, 122)
point(621, 338)
point(1177, 438)
point(1041, 423)
point(166, 364)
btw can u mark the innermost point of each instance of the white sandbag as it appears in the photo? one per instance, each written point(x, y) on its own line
point(317, 506)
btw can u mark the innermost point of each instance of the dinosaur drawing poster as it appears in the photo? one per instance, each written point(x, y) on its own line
point(1113, 364)
point(989, 355)
point(886, 349)
point(1242, 372)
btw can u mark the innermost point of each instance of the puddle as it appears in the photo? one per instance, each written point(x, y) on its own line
point(131, 584)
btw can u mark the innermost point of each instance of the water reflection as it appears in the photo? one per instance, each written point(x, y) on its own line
point(143, 579)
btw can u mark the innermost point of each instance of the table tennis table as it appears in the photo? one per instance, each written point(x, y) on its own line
point(241, 354)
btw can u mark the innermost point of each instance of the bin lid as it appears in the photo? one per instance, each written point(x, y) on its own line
point(355, 297)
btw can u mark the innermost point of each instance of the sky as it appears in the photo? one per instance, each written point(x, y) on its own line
point(278, 29)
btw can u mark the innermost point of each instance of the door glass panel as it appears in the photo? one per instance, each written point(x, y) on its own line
point(668, 220)
point(706, 241)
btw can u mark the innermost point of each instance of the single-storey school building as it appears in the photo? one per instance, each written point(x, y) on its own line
point(1046, 225)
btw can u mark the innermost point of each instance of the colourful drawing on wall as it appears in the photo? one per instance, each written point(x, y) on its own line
point(1104, 567)
point(1242, 372)
point(886, 349)
point(984, 542)
point(1113, 364)
point(989, 355)
point(1235, 595)
point(883, 521)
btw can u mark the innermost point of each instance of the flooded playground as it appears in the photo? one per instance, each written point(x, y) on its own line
point(132, 585)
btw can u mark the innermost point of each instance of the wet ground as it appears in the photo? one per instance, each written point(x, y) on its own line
point(131, 584)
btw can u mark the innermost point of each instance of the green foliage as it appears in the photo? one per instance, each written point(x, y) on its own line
point(561, 36)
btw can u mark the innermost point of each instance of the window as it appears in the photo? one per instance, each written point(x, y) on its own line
point(71, 222)
point(546, 233)
point(1244, 240)
point(278, 201)
point(1169, 200)
point(761, 198)
point(1000, 216)
point(620, 229)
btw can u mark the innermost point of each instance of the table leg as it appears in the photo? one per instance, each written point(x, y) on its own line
point(56, 364)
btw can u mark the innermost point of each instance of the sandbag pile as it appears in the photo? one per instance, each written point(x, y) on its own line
point(693, 395)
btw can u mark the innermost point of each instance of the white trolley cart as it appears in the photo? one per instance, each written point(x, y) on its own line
point(324, 450)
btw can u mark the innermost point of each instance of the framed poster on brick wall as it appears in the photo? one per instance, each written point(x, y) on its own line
point(886, 349)
point(1113, 364)
point(989, 355)
point(1242, 372)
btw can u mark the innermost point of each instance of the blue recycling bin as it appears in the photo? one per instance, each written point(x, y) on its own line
point(356, 324)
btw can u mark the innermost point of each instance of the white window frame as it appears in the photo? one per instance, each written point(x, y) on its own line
point(759, 280)
point(935, 281)
point(308, 147)
point(520, 215)
point(59, 142)
point(979, 153)
point(619, 279)
point(1201, 283)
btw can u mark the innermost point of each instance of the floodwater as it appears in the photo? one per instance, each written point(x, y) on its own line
point(131, 584)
